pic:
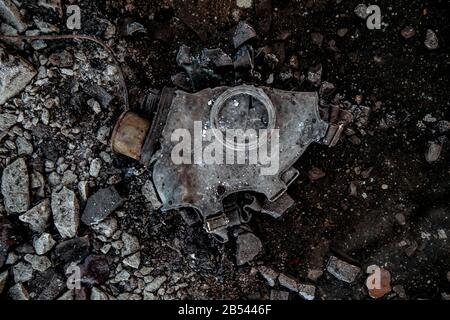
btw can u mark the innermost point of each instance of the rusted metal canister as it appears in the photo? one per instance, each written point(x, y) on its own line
point(129, 135)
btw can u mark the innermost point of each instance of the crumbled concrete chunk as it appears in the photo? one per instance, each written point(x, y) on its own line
point(15, 74)
point(434, 152)
point(123, 275)
point(43, 244)
point(11, 14)
point(307, 291)
point(38, 263)
point(52, 285)
point(269, 274)
point(7, 120)
point(66, 212)
point(83, 189)
point(106, 228)
point(24, 147)
point(342, 270)
point(18, 292)
point(155, 284)
point(100, 205)
point(133, 260)
point(288, 282)
point(130, 244)
point(361, 11)
point(22, 272)
point(37, 217)
point(95, 167)
point(16, 186)
point(12, 258)
point(248, 247)
point(431, 40)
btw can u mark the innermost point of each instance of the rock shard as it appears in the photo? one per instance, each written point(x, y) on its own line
point(248, 247)
point(16, 186)
point(66, 212)
point(100, 205)
point(15, 74)
point(11, 14)
point(37, 217)
point(342, 270)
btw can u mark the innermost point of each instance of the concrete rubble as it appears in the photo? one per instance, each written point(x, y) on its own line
point(18, 292)
point(7, 120)
point(15, 74)
point(100, 205)
point(16, 187)
point(66, 212)
point(38, 217)
point(269, 275)
point(106, 227)
point(342, 270)
point(130, 244)
point(11, 14)
point(433, 153)
point(431, 40)
point(248, 247)
point(44, 243)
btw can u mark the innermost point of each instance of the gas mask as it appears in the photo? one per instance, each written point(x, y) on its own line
point(226, 152)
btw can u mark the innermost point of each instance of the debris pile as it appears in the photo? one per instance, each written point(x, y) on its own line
point(69, 206)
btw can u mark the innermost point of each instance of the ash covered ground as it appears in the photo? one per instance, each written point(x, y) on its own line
point(380, 197)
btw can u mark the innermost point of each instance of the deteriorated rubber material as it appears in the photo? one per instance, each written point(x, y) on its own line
point(203, 187)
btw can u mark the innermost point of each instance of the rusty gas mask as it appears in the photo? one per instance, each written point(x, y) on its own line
point(285, 123)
